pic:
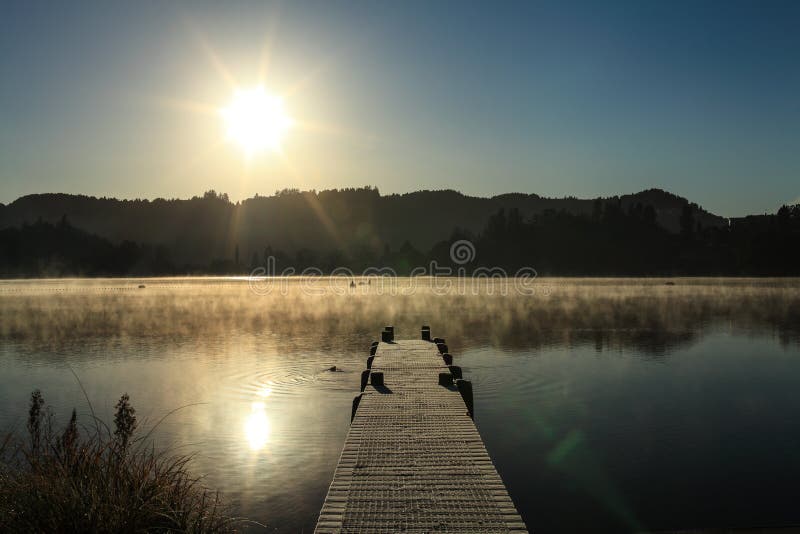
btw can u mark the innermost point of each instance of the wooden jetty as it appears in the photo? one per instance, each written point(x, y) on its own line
point(413, 460)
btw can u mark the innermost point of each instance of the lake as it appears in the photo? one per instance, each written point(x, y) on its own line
point(606, 404)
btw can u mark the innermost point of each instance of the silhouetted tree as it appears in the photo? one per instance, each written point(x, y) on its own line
point(687, 221)
point(597, 210)
point(652, 232)
point(649, 215)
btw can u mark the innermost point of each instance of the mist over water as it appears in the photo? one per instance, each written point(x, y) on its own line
point(625, 404)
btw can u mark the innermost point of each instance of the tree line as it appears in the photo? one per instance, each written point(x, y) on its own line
point(612, 239)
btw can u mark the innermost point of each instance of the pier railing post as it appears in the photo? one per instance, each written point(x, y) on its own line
point(425, 333)
point(356, 400)
point(465, 388)
point(376, 377)
point(364, 378)
point(456, 372)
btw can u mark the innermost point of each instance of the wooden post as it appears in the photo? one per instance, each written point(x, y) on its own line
point(442, 348)
point(390, 329)
point(386, 337)
point(426, 333)
point(448, 358)
point(356, 400)
point(369, 362)
point(456, 372)
point(373, 349)
point(465, 388)
point(445, 379)
point(364, 378)
point(438, 340)
point(377, 379)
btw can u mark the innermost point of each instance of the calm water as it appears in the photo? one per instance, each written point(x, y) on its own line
point(605, 404)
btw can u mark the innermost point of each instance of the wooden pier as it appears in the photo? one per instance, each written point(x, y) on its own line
point(413, 460)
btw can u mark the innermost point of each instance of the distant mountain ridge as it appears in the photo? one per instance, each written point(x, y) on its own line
point(200, 229)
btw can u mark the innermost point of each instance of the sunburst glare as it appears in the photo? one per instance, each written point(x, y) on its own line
point(256, 120)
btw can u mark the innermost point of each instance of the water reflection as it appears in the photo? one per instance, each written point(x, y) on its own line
point(256, 427)
point(630, 399)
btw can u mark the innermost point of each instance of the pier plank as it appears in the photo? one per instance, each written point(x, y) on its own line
point(413, 459)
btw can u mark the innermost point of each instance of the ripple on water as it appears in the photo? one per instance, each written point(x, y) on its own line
point(288, 376)
point(499, 375)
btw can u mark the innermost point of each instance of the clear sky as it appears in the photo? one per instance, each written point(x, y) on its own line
point(554, 98)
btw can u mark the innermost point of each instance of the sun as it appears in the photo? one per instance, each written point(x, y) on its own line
point(256, 120)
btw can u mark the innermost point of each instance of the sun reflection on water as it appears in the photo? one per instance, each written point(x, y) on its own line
point(257, 427)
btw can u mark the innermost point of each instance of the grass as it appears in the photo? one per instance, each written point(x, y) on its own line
point(90, 479)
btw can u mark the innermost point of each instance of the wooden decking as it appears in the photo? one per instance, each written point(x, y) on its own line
point(413, 460)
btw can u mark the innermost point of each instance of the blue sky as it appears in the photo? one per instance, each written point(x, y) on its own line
point(553, 98)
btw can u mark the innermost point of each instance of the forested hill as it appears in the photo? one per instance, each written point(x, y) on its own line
point(360, 229)
point(356, 222)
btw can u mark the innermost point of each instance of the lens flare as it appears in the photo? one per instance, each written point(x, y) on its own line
point(256, 120)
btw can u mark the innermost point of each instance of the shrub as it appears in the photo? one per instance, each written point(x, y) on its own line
point(93, 480)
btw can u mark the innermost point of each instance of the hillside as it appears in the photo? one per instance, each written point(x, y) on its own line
point(353, 221)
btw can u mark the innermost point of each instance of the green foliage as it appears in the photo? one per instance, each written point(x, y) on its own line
point(69, 438)
point(124, 421)
point(99, 482)
point(35, 420)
